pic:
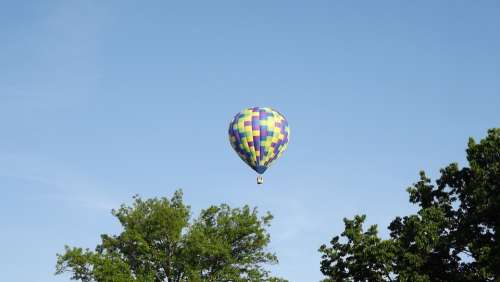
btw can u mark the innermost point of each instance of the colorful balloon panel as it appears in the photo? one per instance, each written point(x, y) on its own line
point(259, 136)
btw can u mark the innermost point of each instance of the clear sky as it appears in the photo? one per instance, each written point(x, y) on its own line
point(101, 101)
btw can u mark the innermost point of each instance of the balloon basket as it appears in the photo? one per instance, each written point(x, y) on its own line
point(260, 179)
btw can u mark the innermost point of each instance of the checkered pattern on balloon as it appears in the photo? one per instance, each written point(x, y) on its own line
point(259, 136)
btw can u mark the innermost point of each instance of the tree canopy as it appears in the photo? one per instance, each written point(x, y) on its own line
point(159, 242)
point(453, 236)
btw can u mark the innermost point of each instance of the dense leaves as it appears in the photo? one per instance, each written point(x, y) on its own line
point(159, 243)
point(453, 237)
point(363, 257)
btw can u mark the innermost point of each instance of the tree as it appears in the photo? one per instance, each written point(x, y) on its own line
point(159, 243)
point(453, 236)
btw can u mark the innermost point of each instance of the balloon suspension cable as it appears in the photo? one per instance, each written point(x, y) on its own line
point(260, 179)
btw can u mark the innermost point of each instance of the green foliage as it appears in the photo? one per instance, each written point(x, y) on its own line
point(453, 237)
point(159, 243)
point(364, 257)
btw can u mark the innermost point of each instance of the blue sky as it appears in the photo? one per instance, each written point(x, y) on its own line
point(101, 101)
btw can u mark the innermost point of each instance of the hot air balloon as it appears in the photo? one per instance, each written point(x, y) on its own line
point(259, 136)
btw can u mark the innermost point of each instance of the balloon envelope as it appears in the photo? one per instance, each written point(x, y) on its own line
point(259, 136)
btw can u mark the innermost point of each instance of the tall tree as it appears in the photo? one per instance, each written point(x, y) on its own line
point(159, 243)
point(454, 236)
